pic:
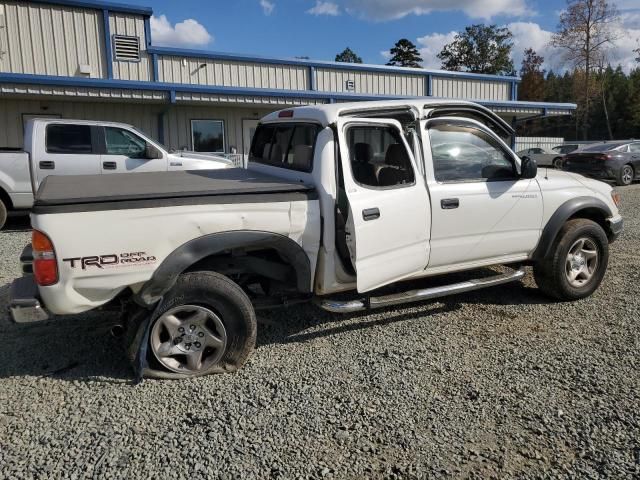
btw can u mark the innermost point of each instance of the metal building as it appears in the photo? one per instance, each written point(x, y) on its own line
point(96, 60)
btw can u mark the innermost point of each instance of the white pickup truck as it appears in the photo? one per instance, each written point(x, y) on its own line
point(338, 199)
point(80, 147)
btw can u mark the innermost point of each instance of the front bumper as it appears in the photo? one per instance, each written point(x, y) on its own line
point(24, 304)
point(616, 226)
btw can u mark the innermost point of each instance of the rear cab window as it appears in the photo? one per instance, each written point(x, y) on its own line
point(68, 139)
point(285, 145)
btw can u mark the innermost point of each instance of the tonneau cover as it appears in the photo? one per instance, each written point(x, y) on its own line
point(144, 190)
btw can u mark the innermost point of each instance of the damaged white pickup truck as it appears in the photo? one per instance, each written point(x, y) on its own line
point(337, 198)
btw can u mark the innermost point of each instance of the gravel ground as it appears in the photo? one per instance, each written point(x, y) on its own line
point(496, 384)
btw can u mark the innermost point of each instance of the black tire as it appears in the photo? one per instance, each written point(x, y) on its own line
point(3, 214)
point(551, 273)
point(228, 301)
point(557, 163)
point(625, 177)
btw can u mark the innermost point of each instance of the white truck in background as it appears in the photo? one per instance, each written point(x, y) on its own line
point(81, 147)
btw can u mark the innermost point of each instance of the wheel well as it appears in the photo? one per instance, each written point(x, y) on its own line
point(595, 215)
point(264, 267)
point(6, 199)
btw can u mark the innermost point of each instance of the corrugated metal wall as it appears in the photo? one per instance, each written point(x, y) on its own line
point(131, 25)
point(13, 112)
point(523, 143)
point(177, 119)
point(467, 89)
point(177, 124)
point(232, 74)
point(51, 40)
point(375, 83)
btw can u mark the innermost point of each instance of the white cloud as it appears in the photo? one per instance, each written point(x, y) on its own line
point(189, 33)
point(431, 45)
point(531, 35)
point(382, 10)
point(325, 8)
point(267, 6)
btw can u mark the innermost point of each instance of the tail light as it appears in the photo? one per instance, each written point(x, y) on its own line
point(45, 266)
point(604, 157)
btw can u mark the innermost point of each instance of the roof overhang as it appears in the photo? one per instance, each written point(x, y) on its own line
point(42, 85)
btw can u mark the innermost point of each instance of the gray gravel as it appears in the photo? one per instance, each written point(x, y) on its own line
point(497, 384)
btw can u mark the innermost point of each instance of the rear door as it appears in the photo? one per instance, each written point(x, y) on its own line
point(126, 151)
point(70, 149)
point(389, 215)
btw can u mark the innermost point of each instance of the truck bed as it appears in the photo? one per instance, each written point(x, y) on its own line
point(160, 189)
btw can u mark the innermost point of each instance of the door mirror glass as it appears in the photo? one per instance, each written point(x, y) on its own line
point(529, 168)
point(152, 153)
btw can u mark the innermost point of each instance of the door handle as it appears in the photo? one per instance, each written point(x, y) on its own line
point(47, 165)
point(370, 214)
point(449, 203)
point(109, 165)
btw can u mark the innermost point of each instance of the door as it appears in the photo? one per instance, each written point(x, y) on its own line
point(482, 209)
point(125, 151)
point(70, 149)
point(388, 220)
point(634, 150)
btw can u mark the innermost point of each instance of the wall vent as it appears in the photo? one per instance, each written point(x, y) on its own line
point(126, 48)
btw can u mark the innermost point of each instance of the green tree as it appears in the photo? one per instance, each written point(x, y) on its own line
point(348, 56)
point(532, 74)
point(480, 49)
point(405, 54)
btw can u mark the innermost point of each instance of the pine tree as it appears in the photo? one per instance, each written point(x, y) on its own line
point(405, 54)
point(348, 56)
point(532, 74)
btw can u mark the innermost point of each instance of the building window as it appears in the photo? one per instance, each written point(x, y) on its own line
point(207, 135)
point(68, 139)
point(126, 48)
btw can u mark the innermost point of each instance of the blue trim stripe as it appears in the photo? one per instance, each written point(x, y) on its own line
point(179, 52)
point(147, 31)
point(98, 5)
point(154, 65)
point(312, 78)
point(172, 88)
point(107, 43)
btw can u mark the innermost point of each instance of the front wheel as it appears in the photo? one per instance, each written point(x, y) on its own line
point(205, 325)
point(625, 176)
point(577, 262)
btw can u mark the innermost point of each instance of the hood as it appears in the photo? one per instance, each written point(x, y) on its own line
point(551, 179)
point(202, 156)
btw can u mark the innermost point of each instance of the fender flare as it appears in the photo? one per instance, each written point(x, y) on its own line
point(567, 210)
point(165, 276)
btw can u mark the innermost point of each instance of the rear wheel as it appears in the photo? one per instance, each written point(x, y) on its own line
point(625, 175)
point(577, 263)
point(3, 214)
point(557, 163)
point(205, 325)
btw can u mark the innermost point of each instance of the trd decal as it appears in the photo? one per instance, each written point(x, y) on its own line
point(111, 260)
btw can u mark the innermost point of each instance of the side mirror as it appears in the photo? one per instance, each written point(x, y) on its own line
point(528, 168)
point(152, 153)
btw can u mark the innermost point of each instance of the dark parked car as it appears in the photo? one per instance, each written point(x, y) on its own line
point(619, 162)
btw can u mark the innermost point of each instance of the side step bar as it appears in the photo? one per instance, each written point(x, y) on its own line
point(337, 306)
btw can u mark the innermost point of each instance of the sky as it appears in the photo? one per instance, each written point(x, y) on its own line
point(319, 29)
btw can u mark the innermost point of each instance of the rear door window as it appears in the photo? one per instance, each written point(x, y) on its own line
point(68, 139)
point(288, 146)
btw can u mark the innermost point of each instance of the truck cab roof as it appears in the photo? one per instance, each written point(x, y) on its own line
point(406, 110)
